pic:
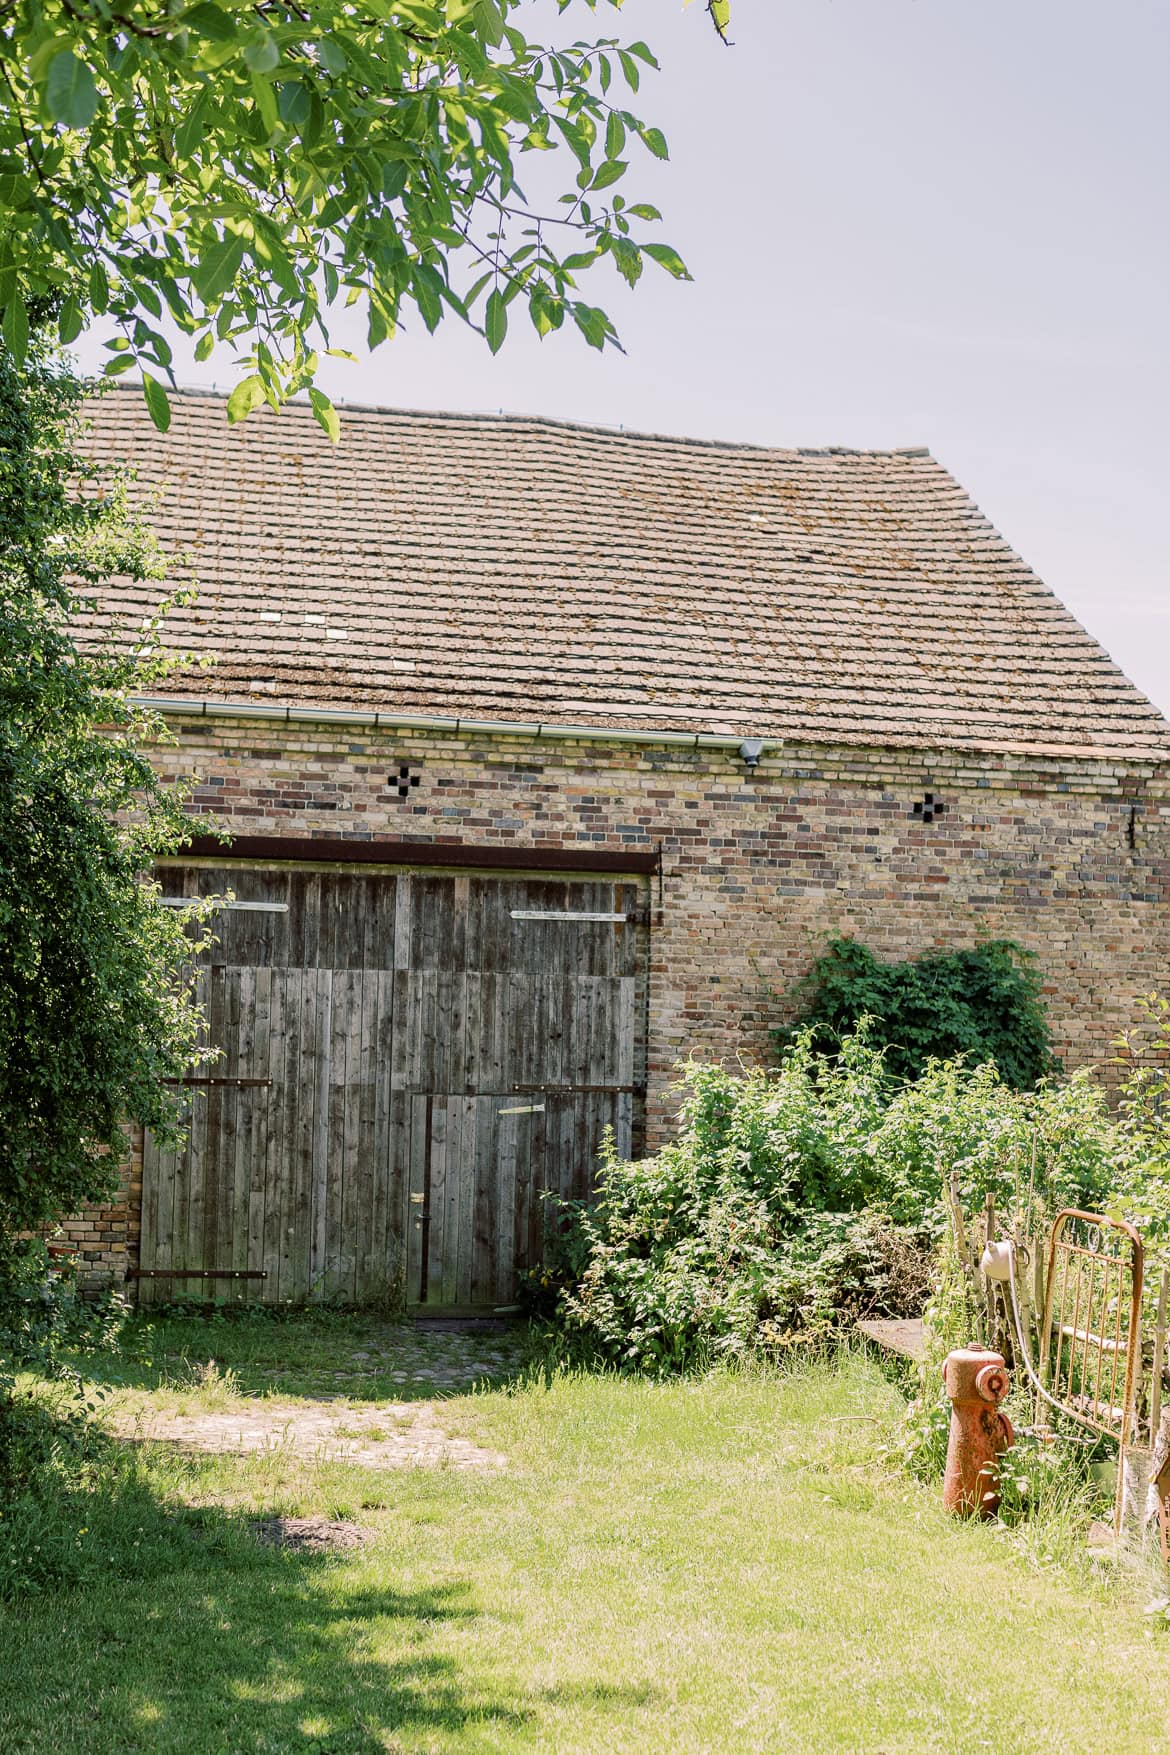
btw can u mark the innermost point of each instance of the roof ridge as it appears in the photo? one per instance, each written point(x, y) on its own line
point(203, 393)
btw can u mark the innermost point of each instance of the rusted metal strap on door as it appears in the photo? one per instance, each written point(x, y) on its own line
point(1090, 1343)
point(578, 1090)
point(572, 915)
point(230, 1084)
point(196, 1274)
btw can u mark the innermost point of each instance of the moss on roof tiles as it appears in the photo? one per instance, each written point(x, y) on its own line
point(502, 566)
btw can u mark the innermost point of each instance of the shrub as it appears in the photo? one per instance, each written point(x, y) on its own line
point(979, 1005)
point(793, 1201)
point(760, 1224)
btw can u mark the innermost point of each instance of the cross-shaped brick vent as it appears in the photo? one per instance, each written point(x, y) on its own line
point(928, 808)
point(403, 781)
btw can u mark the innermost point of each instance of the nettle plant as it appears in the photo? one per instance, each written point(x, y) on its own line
point(242, 167)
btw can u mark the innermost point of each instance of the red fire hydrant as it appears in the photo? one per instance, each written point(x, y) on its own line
point(976, 1382)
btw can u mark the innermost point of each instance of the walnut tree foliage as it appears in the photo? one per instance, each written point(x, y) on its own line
point(245, 164)
point(96, 1008)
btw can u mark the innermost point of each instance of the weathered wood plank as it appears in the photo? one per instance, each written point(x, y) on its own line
point(360, 1181)
point(244, 982)
point(309, 1076)
point(898, 1335)
point(504, 1219)
point(482, 1288)
point(452, 1192)
point(389, 1154)
point(468, 1163)
point(295, 1095)
point(417, 1218)
point(321, 1027)
point(350, 1215)
point(278, 1158)
point(437, 1203)
point(205, 1252)
point(258, 1132)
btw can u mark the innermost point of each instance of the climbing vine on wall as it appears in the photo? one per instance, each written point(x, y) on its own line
point(984, 1004)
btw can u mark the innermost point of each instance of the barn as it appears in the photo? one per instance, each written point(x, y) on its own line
point(548, 755)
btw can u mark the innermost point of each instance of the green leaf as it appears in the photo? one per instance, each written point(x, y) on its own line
point(218, 267)
point(655, 140)
point(71, 91)
point(668, 259)
point(615, 135)
point(610, 172)
point(205, 346)
point(496, 320)
point(70, 322)
point(261, 53)
point(331, 56)
point(189, 134)
point(575, 139)
point(394, 175)
point(157, 402)
point(247, 395)
point(594, 325)
point(427, 287)
point(294, 104)
point(211, 22)
point(628, 258)
point(99, 287)
point(265, 102)
point(644, 54)
point(15, 329)
point(326, 415)
point(488, 22)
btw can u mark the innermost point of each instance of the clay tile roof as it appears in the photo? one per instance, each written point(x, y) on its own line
point(526, 570)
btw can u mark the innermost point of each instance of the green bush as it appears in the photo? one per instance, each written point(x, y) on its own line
point(43, 1314)
point(793, 1201)
point(979, 1005)
point(759, 1224)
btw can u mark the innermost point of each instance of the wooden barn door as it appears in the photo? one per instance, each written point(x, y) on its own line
point(516, 1038)
point(408, 1060)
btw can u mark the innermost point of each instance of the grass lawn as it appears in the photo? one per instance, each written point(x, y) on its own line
point(726, 1565)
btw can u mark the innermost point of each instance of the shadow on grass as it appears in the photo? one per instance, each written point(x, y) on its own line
point(132, 1623)
point(315, 1354)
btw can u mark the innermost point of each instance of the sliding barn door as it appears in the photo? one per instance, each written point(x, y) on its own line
point(408, 1061)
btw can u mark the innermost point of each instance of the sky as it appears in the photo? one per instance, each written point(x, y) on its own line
point(910, 222)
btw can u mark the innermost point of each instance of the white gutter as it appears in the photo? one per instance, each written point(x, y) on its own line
point(174, 707)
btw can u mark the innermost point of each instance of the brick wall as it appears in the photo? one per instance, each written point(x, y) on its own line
point(104, 1240)
point(1070, 858)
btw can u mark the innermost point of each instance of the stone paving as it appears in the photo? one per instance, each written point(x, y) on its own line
point(441, 1359)
point(394, 1436)
point(375, 1407)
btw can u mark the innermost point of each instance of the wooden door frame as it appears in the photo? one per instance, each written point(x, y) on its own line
point(462, 855)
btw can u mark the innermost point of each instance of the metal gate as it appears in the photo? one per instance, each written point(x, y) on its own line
point(408, 1060)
